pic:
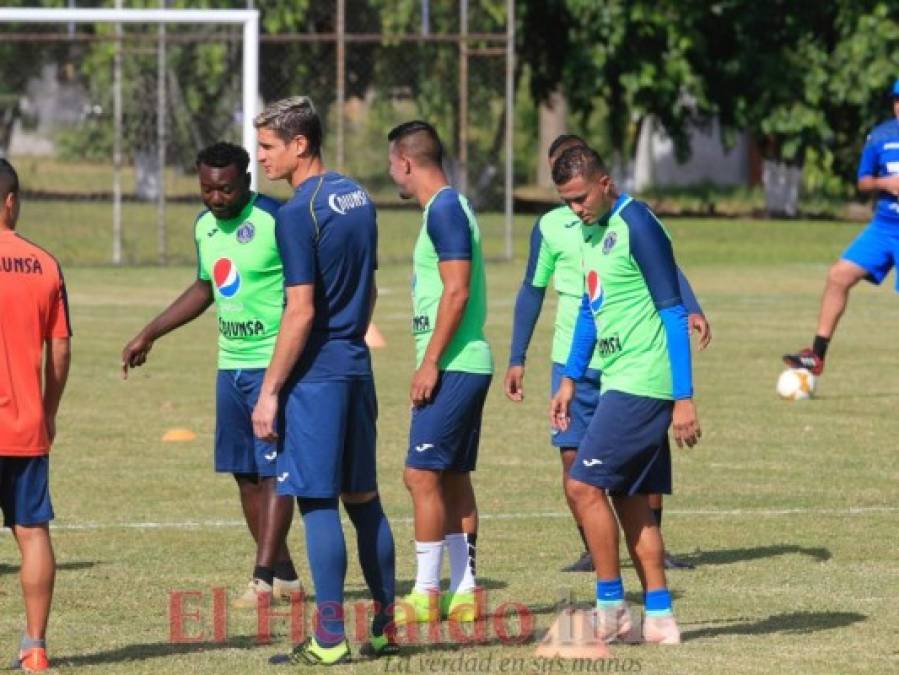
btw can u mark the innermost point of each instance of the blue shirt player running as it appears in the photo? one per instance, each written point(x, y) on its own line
point(633, 314)
point(873, 252)
point(555, 253)
point(318, 396)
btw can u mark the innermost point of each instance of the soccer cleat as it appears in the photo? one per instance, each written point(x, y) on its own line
point(310, 653)
point(32, 660)
point(805, 359)
point(661, 630)
point(284, 590)
point(672, 563)
point(416, 607)
point(250, 597)
point(378, 646)
point(462, 607)
point(582, 564)
point(614, 623)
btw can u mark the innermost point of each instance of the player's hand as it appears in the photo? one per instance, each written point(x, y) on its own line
point(890, 184)
point(264, 415)
point(424, 381)
point(561, 404)
point(685, 423)
point(700, 325)
point(514, 383)
point(135, 353)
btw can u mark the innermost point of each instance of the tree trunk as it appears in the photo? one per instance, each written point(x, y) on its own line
point(551, 122)
point(782, 182)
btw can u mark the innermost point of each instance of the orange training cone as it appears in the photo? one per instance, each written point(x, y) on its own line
point(178, 435)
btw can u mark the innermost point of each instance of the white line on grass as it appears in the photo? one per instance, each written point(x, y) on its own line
point(214, 524)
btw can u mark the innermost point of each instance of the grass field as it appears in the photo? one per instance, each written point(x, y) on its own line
point(788, 510)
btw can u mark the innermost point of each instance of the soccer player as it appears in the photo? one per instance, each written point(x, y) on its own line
point(555, 252)
point(634, 311)
point(34, 332)
point(454, 367)
point(239, 269)
point(321, 377)
point(873, 252)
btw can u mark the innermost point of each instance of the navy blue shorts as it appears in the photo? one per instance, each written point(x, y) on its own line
point(586, 398)
point(625, 449)
point(327, 437)
point(237, 450)
point(25, 490)
point(875, 250)
point(445, 433)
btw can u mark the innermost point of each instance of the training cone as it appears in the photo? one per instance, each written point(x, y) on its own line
point(178, 435)
point(374, 338)
point(572, 636)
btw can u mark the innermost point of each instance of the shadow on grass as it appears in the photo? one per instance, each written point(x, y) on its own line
point(60, 567)
point(153, 650)
point(727, 556)
point(791, 623)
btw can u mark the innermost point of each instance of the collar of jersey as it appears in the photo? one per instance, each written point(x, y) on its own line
point(623, 199)
point(240, 217)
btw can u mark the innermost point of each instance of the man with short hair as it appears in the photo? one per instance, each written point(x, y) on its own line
point(632, 309)
point(34, 328)
point(454, 367)
point(555, 252)
point(875, 251)
point(318, 396)
point(240, 270)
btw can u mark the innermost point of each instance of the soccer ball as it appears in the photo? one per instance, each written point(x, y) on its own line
point(796, 384)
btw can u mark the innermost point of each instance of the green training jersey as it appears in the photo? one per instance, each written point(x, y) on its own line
point(239, 257)
point(556, 254)
point(450, 231)
point(631, 340)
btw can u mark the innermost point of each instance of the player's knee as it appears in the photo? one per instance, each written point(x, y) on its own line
point(418, 480)
point(843, 274)
point(577, 492)
point(246, 481)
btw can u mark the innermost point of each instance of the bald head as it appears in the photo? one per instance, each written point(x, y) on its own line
point(418, 142)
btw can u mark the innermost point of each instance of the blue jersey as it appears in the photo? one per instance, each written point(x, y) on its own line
point(328, 236)
point(880, 158)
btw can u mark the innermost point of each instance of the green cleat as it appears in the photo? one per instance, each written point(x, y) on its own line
point(461, 607)
point(416, 607)
point(378, 646)
point(311, 654)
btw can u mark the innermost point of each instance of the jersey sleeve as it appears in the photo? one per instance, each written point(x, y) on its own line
point(296, 234)
point(867, 164)
point(652, 252)
point(583, 342)
point(541, 262)
point(691, 304)
point(202, 274)
point(59, 323)
point(449, 230)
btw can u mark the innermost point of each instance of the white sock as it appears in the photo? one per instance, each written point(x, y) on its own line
point(462, 559)
point(429, 555)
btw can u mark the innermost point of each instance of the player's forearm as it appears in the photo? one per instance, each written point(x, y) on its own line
point(296, 324)
point(875, 184)
point(527, 310)
point(449, 316)
point(56, 373)
point(195, 300)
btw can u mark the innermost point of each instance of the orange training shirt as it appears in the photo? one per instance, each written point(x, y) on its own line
point(33, 309)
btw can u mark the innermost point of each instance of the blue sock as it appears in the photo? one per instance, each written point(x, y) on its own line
point(609, 593)
point(376, 556)
point(326, 549)
point(658, 602)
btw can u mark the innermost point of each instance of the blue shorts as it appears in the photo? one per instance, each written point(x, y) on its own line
point(327, 436)
point(586, 397)
point(875, 250)
point(25, 490)
point(445, 433)
point(237, 450)
point(625, 449)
